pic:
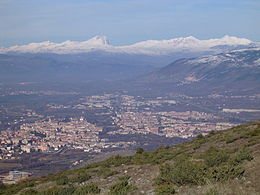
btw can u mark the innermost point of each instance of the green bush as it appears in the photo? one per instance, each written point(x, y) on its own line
point(2, 185)
point(230, 139)
point(13, 189)
point(122, 187)
point(116, 161)
point(241, 156)
point(253, 141)
point(106, 172)
point(224, 173)
point(212, 191)
point(199, 141)
point(80, 177)
point(62, 180)
point(200, 136)
point(57, 190)
point(196, 145)
point(165, 189)
point(139, 150)
point(214, 157)
point(29, 192)
point(211, 133)
point(87, 189)
point(255, 132)
point(181, 173)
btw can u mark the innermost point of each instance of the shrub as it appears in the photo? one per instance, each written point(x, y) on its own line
point(13, 189)
point(116, 161)
point(196, 145)
point(212, 191)
point(214, 157)
point(182, 173)
point(57, 190)
point(2, 185)
point(199, 141)
point(241, 156)
point(230, 139)
point(211, 133)
point(164, 189)
point(29, 192)
point(81, 177)
point(62, 180)
point(122, 187)
point(106, 172)
point(253, 141)
point(139, 150)
point(225, 173)
point(253, 133)
point(87, 189)
point(200, 136)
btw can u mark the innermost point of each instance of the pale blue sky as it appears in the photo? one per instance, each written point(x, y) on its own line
point(126, 21)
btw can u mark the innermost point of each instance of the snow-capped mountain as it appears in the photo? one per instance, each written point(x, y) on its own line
point(150, 47)
point(231, 67)
point(236, 71)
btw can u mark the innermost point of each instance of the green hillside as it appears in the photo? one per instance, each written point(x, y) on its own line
point(225, 162)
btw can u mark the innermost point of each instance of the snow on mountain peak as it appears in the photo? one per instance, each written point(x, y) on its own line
point(150, 47)
point(98, 40)
point(228, 40)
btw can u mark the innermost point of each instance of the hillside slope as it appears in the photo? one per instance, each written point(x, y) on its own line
point(225, 162)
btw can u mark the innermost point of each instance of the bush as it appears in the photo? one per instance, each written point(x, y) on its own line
point(225, 173)
point(253, 141)
point(81, 177)
point(62, 180)
point(57, 190)
point(241, 156)
point(87, 189)
point(212, 191)
point(29, 192)
point(164, 189)
point(214, 157)
point(199, 141)
point(122, 187)
point(13, 189)
point(182, 173)
point(211, 133)
point(139, 150)
point(116, 161)
point(200, 136)
point(230, 139)
point(2, 185)
point(106, 172)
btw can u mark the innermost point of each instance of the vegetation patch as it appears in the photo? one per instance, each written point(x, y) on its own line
point(87, 189)
point(215, 157)
point(165, 189)
point(122, 187)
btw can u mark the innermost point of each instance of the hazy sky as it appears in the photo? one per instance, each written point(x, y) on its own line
point(126, 21)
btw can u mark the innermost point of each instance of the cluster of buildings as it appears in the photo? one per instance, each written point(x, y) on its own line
point(170, 124)
point(130, 114)
point(136, 123)
point(53, 136)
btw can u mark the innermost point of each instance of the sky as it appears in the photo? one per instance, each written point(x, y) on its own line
point(125, 22)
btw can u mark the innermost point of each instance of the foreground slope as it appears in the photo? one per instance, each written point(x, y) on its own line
point(225, 162)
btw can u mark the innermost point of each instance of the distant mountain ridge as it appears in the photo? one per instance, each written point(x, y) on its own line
point(149, 47)
point(238, 69)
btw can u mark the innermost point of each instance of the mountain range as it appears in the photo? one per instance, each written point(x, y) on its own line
point(149, 47)
point(181, 64)
point(237, 70)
